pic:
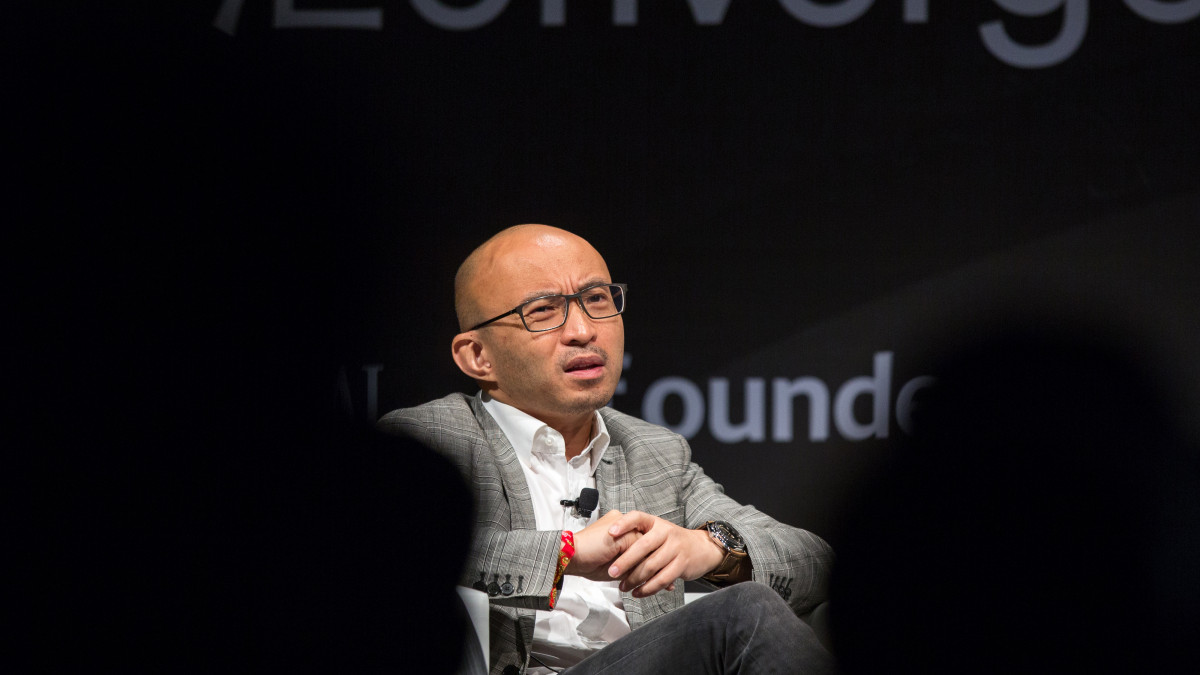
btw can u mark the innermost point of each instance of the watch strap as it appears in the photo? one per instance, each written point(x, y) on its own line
point(734, 567)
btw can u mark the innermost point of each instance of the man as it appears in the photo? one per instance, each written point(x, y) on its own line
point(543, 337)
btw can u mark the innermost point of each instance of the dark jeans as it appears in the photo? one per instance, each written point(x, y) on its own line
point(745, 628)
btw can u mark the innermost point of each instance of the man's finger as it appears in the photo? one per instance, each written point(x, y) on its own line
point(634, 520)
point(611, 514)
point(664, 579)
point(643, 571)
point(635, 554)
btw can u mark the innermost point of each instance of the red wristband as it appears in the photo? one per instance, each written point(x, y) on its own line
point(564, 557)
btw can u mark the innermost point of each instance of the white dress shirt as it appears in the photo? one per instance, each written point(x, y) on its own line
point(588, 614)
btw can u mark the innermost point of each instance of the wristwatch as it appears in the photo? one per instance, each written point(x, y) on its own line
point(736, 565)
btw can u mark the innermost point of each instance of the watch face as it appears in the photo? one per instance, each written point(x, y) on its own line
point(728, 536)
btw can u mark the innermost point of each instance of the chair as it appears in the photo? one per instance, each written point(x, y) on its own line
point(476, 644)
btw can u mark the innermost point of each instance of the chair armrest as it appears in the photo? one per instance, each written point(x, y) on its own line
point(476, 603)
point(818, 620)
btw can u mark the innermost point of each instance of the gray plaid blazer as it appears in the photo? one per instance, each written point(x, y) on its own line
point(646, 468)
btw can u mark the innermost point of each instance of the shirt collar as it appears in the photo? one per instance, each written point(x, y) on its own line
point(523, 430)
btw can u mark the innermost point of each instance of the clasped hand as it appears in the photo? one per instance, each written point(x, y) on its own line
point(645, 552)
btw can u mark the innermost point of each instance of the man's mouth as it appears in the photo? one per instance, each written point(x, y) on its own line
point(588, 365)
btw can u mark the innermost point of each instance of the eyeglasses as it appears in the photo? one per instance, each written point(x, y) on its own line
point(548, 312)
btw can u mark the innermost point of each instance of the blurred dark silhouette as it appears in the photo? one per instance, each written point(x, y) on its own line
point(314, 549)
point(1042, 518)
point(196, 501)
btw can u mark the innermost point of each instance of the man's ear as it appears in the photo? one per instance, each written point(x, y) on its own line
point(471, 357)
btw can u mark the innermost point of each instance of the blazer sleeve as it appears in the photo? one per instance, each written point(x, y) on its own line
point(527, 559)
point(794, 562)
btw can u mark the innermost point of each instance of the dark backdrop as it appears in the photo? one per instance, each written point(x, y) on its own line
point(237, 208)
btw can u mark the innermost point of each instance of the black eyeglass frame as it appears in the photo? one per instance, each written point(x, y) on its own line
point(567, 297)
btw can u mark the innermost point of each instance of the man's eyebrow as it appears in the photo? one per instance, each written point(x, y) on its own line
point(595, 281)
point(534, 295)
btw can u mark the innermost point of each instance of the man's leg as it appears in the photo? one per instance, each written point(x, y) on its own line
point(746, 628)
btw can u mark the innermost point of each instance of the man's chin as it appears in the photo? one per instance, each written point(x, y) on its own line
point(591, 399)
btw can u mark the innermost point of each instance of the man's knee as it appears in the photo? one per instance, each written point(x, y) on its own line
point(753, 600)
point(764, 629)
point(754, 593)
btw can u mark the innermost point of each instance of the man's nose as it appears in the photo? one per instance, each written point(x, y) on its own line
point(579, 327)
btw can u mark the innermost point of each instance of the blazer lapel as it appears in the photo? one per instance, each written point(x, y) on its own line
point(512, 476)
point(616, 492)
point(612, 481)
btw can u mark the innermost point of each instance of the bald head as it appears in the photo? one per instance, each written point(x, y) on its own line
point(516, 245)
point(560, 376)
